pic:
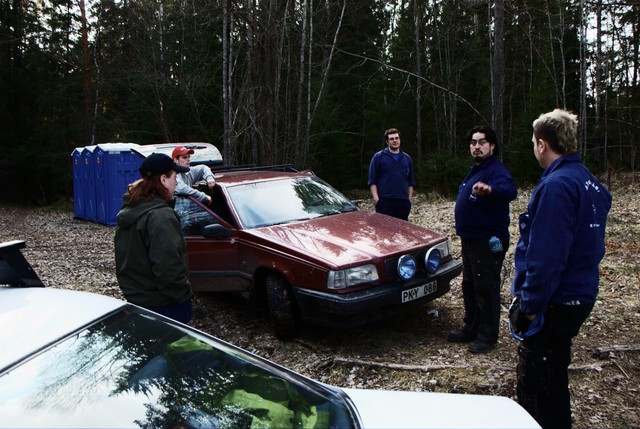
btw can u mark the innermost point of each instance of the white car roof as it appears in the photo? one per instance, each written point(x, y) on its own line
point(31, 318)
point(204, 153)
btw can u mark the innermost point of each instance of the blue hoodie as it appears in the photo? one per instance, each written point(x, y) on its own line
point(561, 238)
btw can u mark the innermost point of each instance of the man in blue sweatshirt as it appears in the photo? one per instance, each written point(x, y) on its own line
point(482, 223)
point(556, 267)
point(391, 179)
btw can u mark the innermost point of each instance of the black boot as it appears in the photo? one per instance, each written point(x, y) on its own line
point(463, 335)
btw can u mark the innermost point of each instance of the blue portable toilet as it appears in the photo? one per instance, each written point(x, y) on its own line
point(89, 184)
point(77, 166)
point(116, 166)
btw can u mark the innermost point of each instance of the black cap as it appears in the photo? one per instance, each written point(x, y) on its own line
point(159, 163)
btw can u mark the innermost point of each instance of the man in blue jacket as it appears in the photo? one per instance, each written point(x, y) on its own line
point(391, 179)
point(556, 267)
point(482, 223)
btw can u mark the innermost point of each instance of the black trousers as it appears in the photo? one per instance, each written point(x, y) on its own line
point(396, 207)
point(543, 365)
point(481, 288)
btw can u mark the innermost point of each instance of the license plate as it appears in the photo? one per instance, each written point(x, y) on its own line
point(419, 292)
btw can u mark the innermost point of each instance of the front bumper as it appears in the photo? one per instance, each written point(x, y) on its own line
point(375, 303)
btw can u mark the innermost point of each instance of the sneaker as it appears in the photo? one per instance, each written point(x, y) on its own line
point(478, 346)
point(461, 336)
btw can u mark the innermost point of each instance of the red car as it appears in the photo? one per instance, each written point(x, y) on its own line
point(291, 240)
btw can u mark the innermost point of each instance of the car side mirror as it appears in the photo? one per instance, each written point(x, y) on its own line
point(216, 231)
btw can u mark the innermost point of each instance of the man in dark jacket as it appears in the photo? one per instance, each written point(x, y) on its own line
point(556, 267)
point(150, 251)
point(482, 222)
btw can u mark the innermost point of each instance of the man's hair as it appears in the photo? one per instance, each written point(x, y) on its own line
point(391, 131)
point(146, 189)
point(489, 135)
point(559, 128)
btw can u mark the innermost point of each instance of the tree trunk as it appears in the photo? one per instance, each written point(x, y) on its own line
point(418, 72)
point(227, 148)
point(497, 73)
point(299, 144)
point(89, 138)
point(582, 142)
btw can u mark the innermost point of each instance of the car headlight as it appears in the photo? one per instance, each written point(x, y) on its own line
point(406, 267)
point(432, 260)
point(352, 276)
point(443, 248)
point(435, 255)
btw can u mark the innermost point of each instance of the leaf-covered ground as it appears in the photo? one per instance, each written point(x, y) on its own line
point(409, 352)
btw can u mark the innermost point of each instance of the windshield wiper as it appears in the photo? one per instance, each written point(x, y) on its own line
point(289, 221)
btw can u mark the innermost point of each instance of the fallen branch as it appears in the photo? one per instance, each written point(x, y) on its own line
point(404, 367)
point(621, 369)
point(597, 366)
point(603, 352)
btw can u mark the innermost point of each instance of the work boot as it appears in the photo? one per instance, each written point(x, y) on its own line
point(479, 346)
point(461, 336)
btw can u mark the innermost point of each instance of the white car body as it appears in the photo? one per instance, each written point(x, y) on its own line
point(33, 319)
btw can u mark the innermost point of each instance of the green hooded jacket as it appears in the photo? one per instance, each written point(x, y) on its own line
point(151, 254)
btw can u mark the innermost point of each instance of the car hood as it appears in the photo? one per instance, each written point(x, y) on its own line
point(391, 409)
point(28, 333)
point(352, 237)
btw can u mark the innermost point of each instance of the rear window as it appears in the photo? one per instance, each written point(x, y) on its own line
point(135, 370)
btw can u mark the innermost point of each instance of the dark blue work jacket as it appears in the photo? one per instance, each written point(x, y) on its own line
point(561, 238)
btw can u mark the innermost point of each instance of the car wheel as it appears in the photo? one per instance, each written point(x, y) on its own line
point(281, 307)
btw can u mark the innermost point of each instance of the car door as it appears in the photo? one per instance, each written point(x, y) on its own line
point(213, 260)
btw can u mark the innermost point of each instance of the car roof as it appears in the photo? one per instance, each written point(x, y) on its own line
point(203, 153)
point(236, 177)
point(34, 317)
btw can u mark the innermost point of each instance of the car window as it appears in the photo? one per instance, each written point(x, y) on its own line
point(135, 370)
point(274, 202)
point(192, 216)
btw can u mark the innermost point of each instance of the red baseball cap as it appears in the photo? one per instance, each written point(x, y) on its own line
point(181, 150)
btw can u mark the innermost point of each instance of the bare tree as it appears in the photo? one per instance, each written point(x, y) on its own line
point(418, 71)
point(300, 145)
point(228, 142)
point(89, 137)
point(583, 75)
point(497, 71)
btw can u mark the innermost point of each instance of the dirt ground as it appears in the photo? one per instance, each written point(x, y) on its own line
point(409, 352)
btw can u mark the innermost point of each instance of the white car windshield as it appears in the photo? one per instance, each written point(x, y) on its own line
point(133, 369)
point(273, 202)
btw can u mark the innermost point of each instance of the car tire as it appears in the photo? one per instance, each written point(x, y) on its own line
point(281, 307)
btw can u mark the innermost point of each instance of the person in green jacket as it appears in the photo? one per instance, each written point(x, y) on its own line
point(150, 250)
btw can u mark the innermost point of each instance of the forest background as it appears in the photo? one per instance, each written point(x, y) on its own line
point(313, 83)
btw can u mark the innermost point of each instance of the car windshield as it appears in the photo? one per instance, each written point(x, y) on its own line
point(280, 201)
point(133, 369)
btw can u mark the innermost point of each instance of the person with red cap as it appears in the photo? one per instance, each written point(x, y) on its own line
point(192, 216)
point(182, 156)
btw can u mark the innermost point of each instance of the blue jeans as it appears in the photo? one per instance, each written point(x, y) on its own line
point(182, 312)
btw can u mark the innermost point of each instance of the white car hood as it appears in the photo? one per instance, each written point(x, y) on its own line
point(60, 312)
point(391, 409)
